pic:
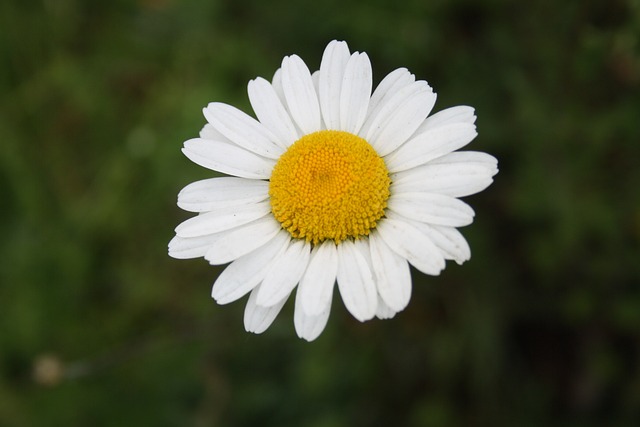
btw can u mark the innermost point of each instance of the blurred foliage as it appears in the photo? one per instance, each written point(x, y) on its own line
point(99, 327)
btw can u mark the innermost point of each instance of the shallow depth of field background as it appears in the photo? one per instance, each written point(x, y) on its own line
point(99, 327)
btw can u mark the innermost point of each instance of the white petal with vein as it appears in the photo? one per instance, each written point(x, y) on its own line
point(285, 273)
point(228, 158)
point(356, 92)
point(301, 96)
point(244, 274)
point(399, 116)
point(334, 62)
point(193, 247)
point(272, 114)
point(257, 319)
point(209, 132)
point(383, 311)
point(432, 208)
point(222, 219)
point(404, 121)
point(409, 242)
point(458, 114)
point(430, 145)
point(392, 273)
point(448, 239)
point(234, 243)
point(316, 286)
point(242, 129)
point(213, 193)
point(469, 157)
point(388, 87)
point(355, 282)
point(454, 174)
point(310, 327)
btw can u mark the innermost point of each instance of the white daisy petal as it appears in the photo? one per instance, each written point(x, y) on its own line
point(458, 114)
point(242, 129)
point(316, 84)
point(276, 82)
point(399, 116)
point(332, 67)
point(355, 282)
point(470, 157)
point(300, 94)
point(257, 319)
point(285, 273)
point(383, 311)
point(214, 193)
point(234, 243)
point(430, 145)
point(271, 113)
point(449, 185)
point(403, 122)
point(222, 219)
point(316, 286)
point(310, 327)
point(454, 174)
point(227, 158)
point(432, 208)
point(315, 78)
point(388, 87)
point(392, 273)
point(409, 242)
point(244, 274)
point(209, 132)
point(194, 247)
point(448, 239)
point(356, 92)
point(397, 95)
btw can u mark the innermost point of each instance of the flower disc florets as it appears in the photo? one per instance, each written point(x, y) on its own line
point(329, 185)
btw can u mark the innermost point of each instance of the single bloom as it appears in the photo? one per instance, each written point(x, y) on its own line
point(331, 184)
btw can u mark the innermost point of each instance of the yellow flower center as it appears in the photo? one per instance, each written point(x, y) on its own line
point(329, 185)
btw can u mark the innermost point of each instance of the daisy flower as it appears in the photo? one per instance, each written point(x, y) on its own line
point(331, 184)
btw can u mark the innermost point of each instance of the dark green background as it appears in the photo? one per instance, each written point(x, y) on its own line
point(541, 327)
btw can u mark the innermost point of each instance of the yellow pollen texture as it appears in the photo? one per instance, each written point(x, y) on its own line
point(329, 185)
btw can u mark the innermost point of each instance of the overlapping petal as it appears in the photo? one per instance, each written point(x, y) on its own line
point(300, 94)
point(430, 145)
point(398, 116)
point(449, 240)
point(285, 273)
point(243, 130)
point(271, 112)
point(247, 271)
point(228, 158)
point(383, 311)
point(355, 93)
point(432, 208)
point(392, 274)
point(409, 242)
point(214, 193)
point(457, 114)
point(222, 219)
point(456, 174)
point(355, 281)
point(388, 87)
point(316, 287)
point(193, 247)
point(258, 318)
point(309, 327)
point(231, 244)
point(332, 68)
